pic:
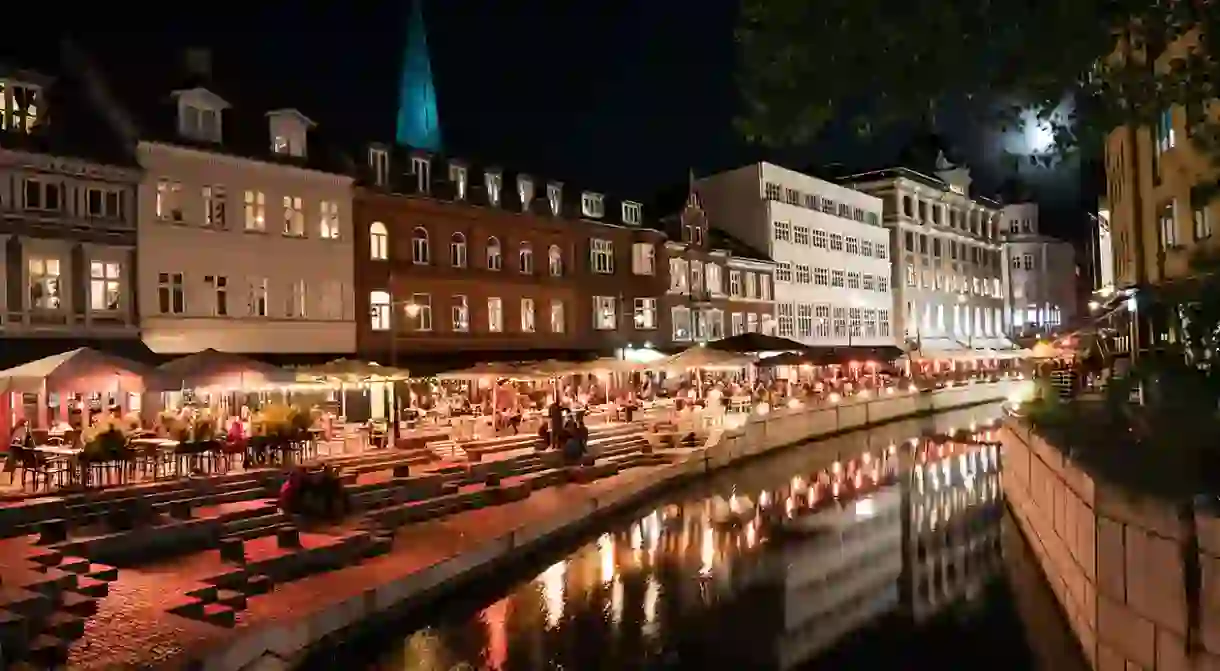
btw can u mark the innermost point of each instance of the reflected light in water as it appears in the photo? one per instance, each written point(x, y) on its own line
point(496, 618)
point(652, 594)
point(707, 552)
point(616, 601)
point(605, 547)
point(637, 538)
point(553, 580)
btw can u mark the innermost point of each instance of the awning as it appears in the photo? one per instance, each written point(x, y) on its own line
point(79, 370)
point(753, 343)
point(702, 357)
point(212, 369)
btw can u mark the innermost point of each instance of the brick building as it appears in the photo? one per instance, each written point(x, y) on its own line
point(460, 261)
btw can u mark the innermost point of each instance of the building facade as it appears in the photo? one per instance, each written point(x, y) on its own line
point(832, 275)
point(948, 282)
point(244, 229)
point(1103, 250)
point(718, 287)
point(67, 217)
point(455, 258)
point(1040, 275)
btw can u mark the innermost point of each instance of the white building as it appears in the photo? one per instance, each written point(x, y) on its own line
point(948, 292)
point(1103, 258)
point(1039, 274)
point(831, 253)
point(244, 237)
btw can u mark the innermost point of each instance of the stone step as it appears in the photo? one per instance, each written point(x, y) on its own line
point(64, 626)
point(49, 652)
point(91, 587)
point(243, 524)
point(219, 615)
point(78, 604)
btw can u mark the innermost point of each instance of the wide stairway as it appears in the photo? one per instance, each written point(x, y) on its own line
point(227, 541)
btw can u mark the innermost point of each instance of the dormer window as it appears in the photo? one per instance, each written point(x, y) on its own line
point(289, 130)
point(632, 213)
point(525, 191)
point(554, 197)
point(421, 167)
point(379, 164)
point(19, 106)
point(457, 175)
point(592, 205)
point(199, 115)
point(492, 181)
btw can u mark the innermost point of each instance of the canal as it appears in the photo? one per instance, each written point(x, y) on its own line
point(890, 546)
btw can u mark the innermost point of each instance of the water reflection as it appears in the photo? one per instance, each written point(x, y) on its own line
point(747, 576)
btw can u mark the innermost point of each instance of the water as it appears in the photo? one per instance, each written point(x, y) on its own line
point(847, 552)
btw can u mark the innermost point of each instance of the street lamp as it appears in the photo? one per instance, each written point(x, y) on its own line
point(412, 311)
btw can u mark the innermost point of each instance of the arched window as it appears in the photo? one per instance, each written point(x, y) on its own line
point(420, 253)
point(457, 250)
point(379, 310)
point(525, 259)
point(554, 259)
point(379, 241)
point(494, 260)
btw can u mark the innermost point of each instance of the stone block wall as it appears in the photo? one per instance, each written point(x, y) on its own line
point(1113, 559)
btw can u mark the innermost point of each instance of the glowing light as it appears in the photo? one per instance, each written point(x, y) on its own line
point(833, 398)
point(794, 403)
point(707, 553)
point(637, 537)
point(605, 547)
point(889, 390)
point(652, 593)
point(866, 508)
point(616, 601)
point(553, 580)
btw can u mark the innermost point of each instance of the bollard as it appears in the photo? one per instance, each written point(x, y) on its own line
point(233, 550)
point(288, 538)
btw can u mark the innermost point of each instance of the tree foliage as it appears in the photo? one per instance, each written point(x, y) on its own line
point(804, 62)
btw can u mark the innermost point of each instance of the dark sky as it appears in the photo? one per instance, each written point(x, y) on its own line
point(623, 94)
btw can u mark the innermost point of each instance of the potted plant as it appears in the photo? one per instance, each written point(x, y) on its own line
point(105, 440)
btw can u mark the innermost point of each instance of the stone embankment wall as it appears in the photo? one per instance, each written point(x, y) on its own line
point(1114, 559)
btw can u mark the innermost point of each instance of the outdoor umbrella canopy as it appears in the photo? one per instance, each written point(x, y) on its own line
point(79, 370)
point(351, 370)
point(211, 369)
point(752, 343)
point(494, 370)
point(703, 357)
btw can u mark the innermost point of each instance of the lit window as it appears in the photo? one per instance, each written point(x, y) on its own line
point(45, 284)
point(555, 261)
point(601, 256)
point(328, 226)
point(632, 213)
point(457, 251)
point(379, 164)
point(592, 205)
point(558, 319)
point(494, 259)
point(19, 107)
point(379, 241)
point(461, 314)
point(214, 206)
point(645, 314)
point(643, 258)
point(104, 286)
point(457, 175)
point(525, 259)
point(554, 197)
point(379, 310)
point(605, 314)
point(294, 217)
point(258, 297)
point(495, 315)
point(256, 211)
point(420, 251)
point(422, 307)
point(527, 315)
point(525, 192)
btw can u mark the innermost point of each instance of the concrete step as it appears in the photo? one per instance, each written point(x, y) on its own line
point(243, 524)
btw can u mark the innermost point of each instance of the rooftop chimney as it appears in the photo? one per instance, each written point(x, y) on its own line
point(198, 61)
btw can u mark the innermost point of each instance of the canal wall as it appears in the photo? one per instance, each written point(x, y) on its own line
point(284, 643)
point(1114, 559)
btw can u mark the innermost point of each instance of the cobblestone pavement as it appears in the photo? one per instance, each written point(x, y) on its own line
point(132, 629)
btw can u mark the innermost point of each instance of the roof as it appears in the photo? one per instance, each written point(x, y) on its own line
point(140, 89)
point(441, 186)
point(735, 247)
point(912, 175)
point(72, 124)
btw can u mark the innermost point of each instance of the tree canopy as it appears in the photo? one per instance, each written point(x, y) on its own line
point(804, 63)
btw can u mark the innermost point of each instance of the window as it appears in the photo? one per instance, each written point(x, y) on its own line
point(839, 323)
point(1165, 139)
point(19, 107)
point(804, 320)
point(457, 250)
point(171, 297)
point(883, 321)
point(696, 275)
point(554, 197)
point(853, 280)
point(256, 210)
point(785, 312)
point(910, 274)
point(457, 175)
point(853, 246)
point(792, 196)
point(605, 317)
point(783, 272)
point(737, 323)
point(783, 231)
point(679, 318)
point(258, 296)
point(104, 203)
point(379, 163)
point(331, 300)
point(423, 311)
point(601, 256)
point(870, 323)
point(645, 314)
point(421, 253)
point(554, 260)
point(866, 248)
point(558, 319)
point(492, 182)
point(1202, 221)
point(44, 281)
point(218, 285)
point(379, 310)
point(752, 323)
point(819, 238)
point(525, 259)
point(679, 275)
point(592, 205)
point(460, 313)
point(772, 191)
point(494, 259)
point(328, 220)
point(866, 282)
point(379, 241)
point(643, 259)
point(298, 299)
point(836, 278)
point(735, 283)
point(1169, 229)
point(525, 192)
point(421, 167)
point(104, 287)
point(753, 284)
point(800, 235)
point(1016, 262)
point(836, 242)
point(1028, 261)
point(294, 217)
point(200, 123)
point(803, 276)
point(712, 278)
point(495, 315)
point(214, 206)
point(632, 213)
point(168, 205)
point(821, 321)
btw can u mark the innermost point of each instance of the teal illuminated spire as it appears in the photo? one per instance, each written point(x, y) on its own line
point(418, 123)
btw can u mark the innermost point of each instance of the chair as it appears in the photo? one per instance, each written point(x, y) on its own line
point(35, 467)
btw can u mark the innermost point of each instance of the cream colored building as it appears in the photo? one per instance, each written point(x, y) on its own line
point(244, 235)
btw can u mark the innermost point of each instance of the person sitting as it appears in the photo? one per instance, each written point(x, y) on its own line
point(544, 436)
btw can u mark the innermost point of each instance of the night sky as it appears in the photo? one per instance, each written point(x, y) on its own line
point(624, 95)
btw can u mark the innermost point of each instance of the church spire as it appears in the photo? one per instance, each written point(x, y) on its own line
point(418, 124)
